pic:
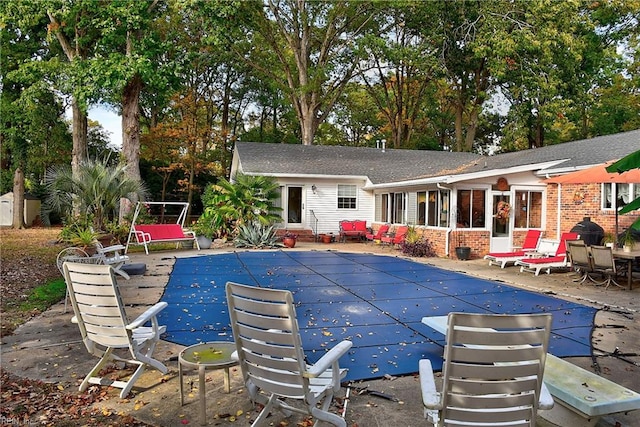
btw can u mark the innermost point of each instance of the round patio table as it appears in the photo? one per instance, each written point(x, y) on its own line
point(213, 355)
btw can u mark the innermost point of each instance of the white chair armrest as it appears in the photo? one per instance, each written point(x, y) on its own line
point(328, 359)
point(147, 315)
point(546, 400)
point(430, 397)
point(113, 248)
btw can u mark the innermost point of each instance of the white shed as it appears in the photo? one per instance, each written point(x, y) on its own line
point(31, 209)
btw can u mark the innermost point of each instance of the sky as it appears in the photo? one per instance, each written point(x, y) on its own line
point(110, 122)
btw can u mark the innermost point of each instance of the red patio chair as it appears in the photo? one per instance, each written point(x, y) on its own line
point(384, 229)
point(397, 237)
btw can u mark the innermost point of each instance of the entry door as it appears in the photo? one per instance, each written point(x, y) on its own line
point(500, 226)
point(294, 205)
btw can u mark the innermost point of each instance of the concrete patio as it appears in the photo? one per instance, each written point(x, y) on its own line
point(49, 348)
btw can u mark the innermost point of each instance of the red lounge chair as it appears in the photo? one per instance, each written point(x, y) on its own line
point(397, 237)
point(559, 260)
point(384, 229)
point(530, 243)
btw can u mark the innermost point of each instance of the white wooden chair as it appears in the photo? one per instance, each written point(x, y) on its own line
point(265, 329)
point(111, 255)
point(104, 326)
point(492, 372)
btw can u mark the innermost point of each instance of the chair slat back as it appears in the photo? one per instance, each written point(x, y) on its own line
point(265, 329)
point(97, 305)
point(602, 258)
point(579, 254)
point(493, 368)
point(531, 239)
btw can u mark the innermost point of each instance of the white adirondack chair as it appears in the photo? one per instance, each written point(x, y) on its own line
point(265, 329)
point(104, 326)
point(492, 372)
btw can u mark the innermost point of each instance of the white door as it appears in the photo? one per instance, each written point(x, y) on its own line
point(500, 225)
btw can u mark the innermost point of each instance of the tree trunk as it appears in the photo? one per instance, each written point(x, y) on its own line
point(131, 134)
point(18, 199)
point(79, 132)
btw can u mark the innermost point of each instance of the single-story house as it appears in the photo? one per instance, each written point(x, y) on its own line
point(454, 199)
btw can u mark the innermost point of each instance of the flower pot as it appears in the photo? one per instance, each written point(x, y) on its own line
point(326, 238)
point(627, 248)
point(463, 252)
point(289, 242)
point(204, 242)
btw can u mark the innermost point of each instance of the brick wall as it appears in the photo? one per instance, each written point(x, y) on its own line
point(579, 201)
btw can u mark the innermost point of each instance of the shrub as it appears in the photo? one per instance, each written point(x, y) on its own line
point(419, 248)
point(256, 235)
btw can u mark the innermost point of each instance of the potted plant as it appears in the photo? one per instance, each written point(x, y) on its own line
point(289, 239)
point(205, 230)
point(609, 240)
point(462, 252)
point(628, 240)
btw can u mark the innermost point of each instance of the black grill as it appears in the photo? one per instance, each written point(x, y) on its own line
point(589, 231)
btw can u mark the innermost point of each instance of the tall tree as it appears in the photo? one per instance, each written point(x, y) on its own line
point(314, 45)
point(31, 115)
point(399, 66)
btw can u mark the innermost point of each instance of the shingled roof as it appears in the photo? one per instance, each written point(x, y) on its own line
point(392, 165)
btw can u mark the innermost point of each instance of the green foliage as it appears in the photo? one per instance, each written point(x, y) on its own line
point(249, 199)
point(96, 190)
point(43, 297)
point(79, 232)
point(256, 235)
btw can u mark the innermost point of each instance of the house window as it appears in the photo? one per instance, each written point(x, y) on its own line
point(394, 207)
point(527, 209)
point(384, 209)
point(471, 208)
point(436, 208)
point(399, 207)
point(624, 193)
point(421, 211)
point(347, 196)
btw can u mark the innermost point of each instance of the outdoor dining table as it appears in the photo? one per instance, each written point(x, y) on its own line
point(629, 258)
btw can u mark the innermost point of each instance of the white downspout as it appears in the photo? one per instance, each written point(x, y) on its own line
point(559, 213)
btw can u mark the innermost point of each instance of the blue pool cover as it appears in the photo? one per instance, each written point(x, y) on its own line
point(375, 301)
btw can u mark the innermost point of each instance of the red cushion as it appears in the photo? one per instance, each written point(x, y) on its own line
point(346, 225)
point(359, 225)
point(507, 254)
point(545, 260)
point(162, 231)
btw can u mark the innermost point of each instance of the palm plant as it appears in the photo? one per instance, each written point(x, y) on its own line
point(249, 199)
point(95, 192)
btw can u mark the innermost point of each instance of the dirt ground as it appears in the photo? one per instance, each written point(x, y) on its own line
point(28, 260)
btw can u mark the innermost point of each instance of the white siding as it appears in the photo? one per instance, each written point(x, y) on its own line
point(325, 200)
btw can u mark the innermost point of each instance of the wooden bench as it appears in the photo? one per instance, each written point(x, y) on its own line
point(582, 397)
point(353, 229)
point(145, 234)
